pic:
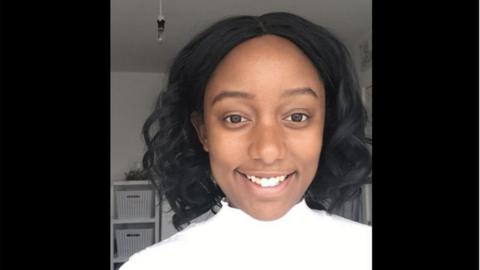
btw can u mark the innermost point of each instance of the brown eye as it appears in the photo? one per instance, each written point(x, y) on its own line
point(234, 118)
point(297, 117)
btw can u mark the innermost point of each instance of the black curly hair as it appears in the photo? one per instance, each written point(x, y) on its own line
point(178, 165)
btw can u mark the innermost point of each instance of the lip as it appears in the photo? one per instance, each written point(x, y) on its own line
point(266, 174)
point(266, 192)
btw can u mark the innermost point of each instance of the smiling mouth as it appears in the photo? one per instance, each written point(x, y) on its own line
point(271, 181)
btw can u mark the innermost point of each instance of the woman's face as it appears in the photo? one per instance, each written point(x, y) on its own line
point(264, 109)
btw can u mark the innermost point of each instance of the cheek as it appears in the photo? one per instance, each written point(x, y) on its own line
point(306, 149)
point(225, 150)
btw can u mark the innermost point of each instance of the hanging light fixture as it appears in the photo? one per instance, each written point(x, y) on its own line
point(160, 23)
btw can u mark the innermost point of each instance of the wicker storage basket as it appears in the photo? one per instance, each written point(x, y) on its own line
point(130, 241)
point(134, 203)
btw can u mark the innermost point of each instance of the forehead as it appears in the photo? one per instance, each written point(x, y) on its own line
point(267, 62)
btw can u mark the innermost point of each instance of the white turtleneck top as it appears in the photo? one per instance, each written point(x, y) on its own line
point(301, 239)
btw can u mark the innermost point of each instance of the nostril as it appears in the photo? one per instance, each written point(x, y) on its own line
point(267, 143)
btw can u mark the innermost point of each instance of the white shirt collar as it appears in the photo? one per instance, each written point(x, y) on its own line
point(294, 217)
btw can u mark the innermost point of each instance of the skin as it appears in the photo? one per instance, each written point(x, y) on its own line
point(267, 133)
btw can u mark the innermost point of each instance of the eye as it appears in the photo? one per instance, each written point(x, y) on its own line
point(297, 117)
point(235, 119)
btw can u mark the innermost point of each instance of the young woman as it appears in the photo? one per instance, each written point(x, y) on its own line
point(262, 124)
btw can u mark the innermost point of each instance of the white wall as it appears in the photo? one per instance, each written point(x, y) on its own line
point(364, 75)
point(132, 99)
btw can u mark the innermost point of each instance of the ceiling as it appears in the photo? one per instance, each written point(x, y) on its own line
point(134, 45)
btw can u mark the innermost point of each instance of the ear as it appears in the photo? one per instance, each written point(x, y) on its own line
point(197, 121)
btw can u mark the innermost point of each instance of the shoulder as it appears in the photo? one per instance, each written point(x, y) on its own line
point(342, 238)
point(340, 222)
point(169, 252)
point(157, 256)
point(342, 229)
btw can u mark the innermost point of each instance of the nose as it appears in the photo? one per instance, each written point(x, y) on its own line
point(267, 143)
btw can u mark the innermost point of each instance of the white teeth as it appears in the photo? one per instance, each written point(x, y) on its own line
point(267, 182)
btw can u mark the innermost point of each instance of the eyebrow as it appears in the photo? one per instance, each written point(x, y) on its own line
point(299, 91)
point(245, 95)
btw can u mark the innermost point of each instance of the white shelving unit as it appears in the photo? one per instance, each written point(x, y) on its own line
point(367, 203)
point(115, 222)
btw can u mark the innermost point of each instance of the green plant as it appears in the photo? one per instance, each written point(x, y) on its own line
point(138, 174)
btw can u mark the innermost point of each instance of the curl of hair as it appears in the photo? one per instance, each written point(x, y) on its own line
point(180, 168)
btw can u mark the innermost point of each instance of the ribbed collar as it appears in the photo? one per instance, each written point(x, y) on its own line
point(297, 216)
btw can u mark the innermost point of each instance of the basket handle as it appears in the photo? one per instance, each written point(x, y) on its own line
point(133, 234)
